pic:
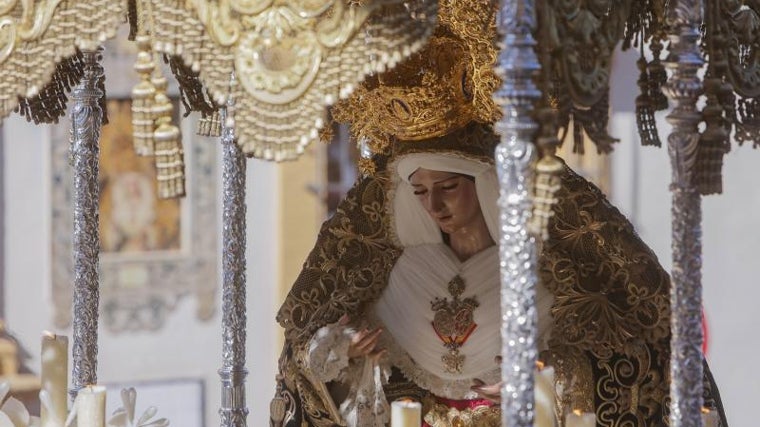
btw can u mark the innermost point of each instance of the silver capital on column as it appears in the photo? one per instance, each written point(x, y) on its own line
point(86, 123)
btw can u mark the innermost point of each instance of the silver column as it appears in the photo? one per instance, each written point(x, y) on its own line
point(86, 122)
point(684, 88)
point(518, 65)
point(233, 372)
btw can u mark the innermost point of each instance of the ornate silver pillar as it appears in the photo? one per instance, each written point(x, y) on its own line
point(683, 88)
point(233, 372)
point(86, 122)
point(518, 65)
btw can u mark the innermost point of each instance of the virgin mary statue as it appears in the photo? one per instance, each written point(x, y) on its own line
point(399, 299)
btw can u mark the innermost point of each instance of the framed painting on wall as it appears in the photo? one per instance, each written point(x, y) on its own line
point(153, 252)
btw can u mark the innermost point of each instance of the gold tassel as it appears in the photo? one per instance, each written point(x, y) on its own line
point(170, 162)
point(143, 98)
point(277, 410)
point(547, 174)
point(547, 182)
point(210, 124)
point(170, 158)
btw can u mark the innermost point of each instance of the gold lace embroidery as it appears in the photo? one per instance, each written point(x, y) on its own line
point(482, 416)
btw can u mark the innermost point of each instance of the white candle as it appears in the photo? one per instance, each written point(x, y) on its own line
point(709, 418)
point(544, 394)
point(406, 414)
point(91, 406)
point(580, 419)
point(55, 368)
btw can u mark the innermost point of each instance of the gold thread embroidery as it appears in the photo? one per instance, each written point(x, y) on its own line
point(454, 322)
point(482, 416)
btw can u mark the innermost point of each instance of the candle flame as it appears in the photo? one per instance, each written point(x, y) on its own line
point(577, 412)
point(705, 410)
point(48, 334)
point(540, 365)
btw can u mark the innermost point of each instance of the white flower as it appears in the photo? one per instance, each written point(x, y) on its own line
point(13, 413)
point(125, 416)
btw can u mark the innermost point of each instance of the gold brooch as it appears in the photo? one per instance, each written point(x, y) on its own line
point(453, 323)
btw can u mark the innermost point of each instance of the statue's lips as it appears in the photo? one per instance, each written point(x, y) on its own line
point(443, 219)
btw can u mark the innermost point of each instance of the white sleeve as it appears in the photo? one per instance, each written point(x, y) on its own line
point(328, 351)
point(366, 405)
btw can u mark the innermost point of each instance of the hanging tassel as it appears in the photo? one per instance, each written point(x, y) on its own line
point(658, 77)
point(143, 99)
point(578, 147)
point(547, 172)
point(645, 120)
point(547, 182)
point(748, 126)
point(210, 124)
point(713, 144)
point(277, 411)
point(727, 99)
point(169, 155)
point(593, 122)
point(170, 162)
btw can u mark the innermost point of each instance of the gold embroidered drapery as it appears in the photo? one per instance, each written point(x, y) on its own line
point(290, 59)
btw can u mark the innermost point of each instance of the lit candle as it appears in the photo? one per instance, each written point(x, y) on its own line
point(91, 406)
point(55, 367)
point(709, 418)
point(544, 394)
point(580, 419)
point(406, 414)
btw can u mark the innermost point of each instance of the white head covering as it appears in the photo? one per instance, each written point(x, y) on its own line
point(412, 223)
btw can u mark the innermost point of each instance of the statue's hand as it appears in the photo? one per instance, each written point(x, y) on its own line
point(364, 342)
point(491, 392)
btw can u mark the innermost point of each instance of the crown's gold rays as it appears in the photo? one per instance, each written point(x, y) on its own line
point(437, 91)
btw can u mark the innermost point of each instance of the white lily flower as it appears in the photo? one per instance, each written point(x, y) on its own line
point(125, 416)
point(13, 413)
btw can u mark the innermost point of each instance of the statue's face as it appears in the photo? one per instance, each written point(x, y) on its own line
point(449, 198)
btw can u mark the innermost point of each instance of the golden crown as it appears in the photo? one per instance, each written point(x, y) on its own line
point(441, 89)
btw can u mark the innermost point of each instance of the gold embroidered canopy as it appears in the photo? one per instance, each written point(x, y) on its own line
point(289, 59)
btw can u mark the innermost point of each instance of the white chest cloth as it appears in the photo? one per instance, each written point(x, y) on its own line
point(421, 275)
